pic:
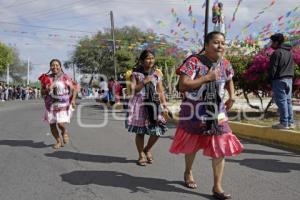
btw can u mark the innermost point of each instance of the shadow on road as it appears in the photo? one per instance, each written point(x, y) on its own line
point(171, 137)
point(88, 157)
point(270, 165)
point(263, 152)
point(122, 180)
point(24, 143)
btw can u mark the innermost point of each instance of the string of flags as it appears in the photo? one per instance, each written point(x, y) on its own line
point(234, 14)
point(259, 14)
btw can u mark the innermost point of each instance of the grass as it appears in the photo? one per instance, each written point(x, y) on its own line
point(257, 118)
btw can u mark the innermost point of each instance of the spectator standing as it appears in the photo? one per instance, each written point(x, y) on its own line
point(281, 73)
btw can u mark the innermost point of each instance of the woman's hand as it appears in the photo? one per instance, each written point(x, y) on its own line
point(50, 87)
point(165, 108)
point(73, 103)
point(167, 111)
point(147, 79)
point(212, 75)
point(229, 103)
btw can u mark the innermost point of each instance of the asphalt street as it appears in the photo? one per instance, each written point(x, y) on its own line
point(99, 163)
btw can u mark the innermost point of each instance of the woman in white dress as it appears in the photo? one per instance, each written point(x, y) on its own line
point(59, 93)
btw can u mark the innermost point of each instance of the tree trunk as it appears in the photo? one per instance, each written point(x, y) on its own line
point(248, 101)
point(269, 105)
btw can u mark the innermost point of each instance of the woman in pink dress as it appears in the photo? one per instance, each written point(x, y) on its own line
point(146, 106)
point(203, 122)
point(59, 93)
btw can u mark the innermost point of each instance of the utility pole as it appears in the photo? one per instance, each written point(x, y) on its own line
point(7, 74)
point(28, 66)
point(114, 42)
point(74, 73)
point(206, 18)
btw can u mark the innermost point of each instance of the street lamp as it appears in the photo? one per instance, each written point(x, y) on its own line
point(206, 18)
point(114, 42)
point(7, 74)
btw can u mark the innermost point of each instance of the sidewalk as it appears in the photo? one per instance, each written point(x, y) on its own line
point(264, 134)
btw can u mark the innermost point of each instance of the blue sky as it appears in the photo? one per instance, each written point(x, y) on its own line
point(46, 29)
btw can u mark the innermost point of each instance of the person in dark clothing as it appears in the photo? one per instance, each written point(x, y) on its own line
point(281, 73)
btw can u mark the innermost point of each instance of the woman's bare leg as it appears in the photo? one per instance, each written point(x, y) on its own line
point(139, 141)
point(64, 132)
point(152, 140)
point(56, 136)
point(188, 175)
point(218, 169)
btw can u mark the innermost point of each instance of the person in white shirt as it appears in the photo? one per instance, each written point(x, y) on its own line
point(103, 90)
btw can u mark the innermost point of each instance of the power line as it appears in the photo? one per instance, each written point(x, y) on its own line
point(36, 33)
point(39, 38)
point(12, 4)
point(49, 11)
point(63, 9)
point(76, 17)
point(45, 27)
point(20, 4)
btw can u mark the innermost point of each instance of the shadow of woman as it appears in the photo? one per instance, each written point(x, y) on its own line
point(269, 165)
point(272, 153)
point(24, 143)
point(129, 182)
point(88, 157)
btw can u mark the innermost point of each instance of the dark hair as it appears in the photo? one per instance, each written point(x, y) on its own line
point(55, 60)
point(278, 37)
point(209, 37)
point(145, 53)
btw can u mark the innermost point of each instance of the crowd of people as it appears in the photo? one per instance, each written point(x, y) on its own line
point(109, 92)
point(8, 93)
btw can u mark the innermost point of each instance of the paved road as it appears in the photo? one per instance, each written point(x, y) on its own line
point(100, 163)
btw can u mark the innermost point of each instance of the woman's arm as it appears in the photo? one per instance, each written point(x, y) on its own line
point(230, 88)
point(44, 91)
point(73, 95)
point(160, 91)
point(186, 83)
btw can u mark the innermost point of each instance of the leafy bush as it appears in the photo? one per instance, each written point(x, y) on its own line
point(251, 75)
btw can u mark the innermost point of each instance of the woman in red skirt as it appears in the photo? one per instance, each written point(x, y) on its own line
point(203, 122)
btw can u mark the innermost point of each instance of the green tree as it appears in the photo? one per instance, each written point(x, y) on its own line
point(125, 60)
point(168, 66)
point(6, 57)
point(18, 68)
point(95, 55)
point(91, 57)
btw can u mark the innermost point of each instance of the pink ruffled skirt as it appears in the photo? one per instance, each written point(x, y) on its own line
point(214, 146)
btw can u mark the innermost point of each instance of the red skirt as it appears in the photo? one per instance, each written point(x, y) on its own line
point(214, 146)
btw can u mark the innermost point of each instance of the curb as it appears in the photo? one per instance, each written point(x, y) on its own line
point(263, 134)
point(285, 138)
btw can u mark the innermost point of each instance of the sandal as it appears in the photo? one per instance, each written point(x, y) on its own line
point(189, 183)
point(141, 161)
point(149, 157)
point(66, 138)
point(57, 145)
point(220, 196)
